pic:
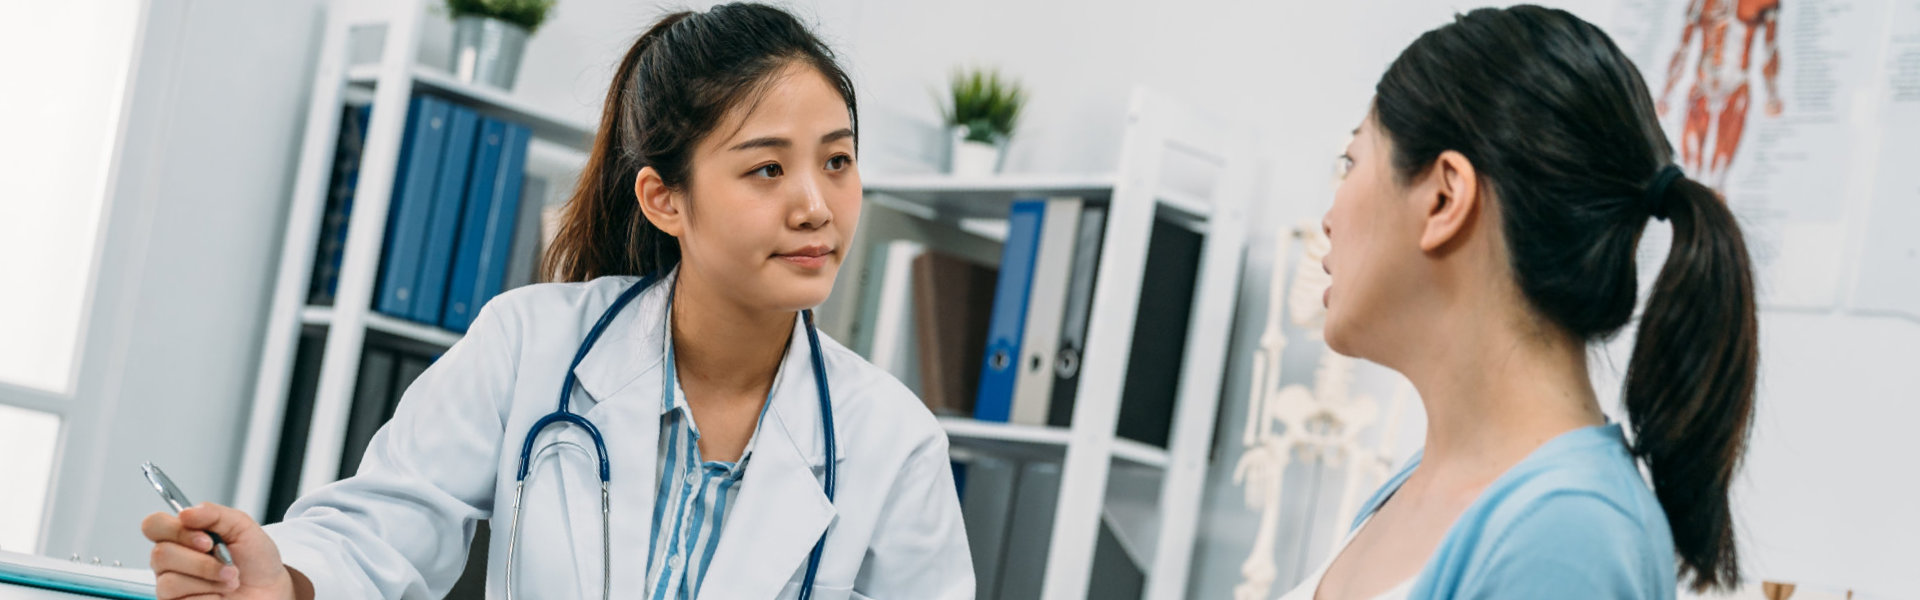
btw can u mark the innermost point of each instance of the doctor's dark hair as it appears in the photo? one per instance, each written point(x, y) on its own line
point(1559, 125)
point(669, 92)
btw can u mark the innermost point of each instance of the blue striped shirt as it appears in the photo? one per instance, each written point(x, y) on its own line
point(694, 495)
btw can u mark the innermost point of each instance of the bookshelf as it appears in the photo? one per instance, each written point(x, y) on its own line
point(387, 85)
point(1175, 166)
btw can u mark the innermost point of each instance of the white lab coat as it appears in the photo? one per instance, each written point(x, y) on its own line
point(401, 526)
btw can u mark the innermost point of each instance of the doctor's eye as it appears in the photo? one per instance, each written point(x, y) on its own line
point(1342, 165)
point(839, 162)
point(768, 171)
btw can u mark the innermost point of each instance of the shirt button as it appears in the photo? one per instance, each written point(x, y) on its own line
point(675, 563)
point(693, 478)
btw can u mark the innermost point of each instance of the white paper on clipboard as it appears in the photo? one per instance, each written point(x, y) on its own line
point(27, 576)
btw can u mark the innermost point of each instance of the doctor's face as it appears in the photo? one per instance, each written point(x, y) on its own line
point(774, 194)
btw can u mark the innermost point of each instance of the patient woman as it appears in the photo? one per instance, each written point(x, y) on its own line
point(1484, 237)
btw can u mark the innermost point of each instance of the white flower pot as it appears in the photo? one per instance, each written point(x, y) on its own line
point(974, 159)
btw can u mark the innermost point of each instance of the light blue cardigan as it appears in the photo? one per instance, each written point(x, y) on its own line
point(1573, 520)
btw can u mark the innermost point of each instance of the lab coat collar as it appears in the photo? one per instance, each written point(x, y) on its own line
point(621, 378)
point(796, 402)
point(634, 345)
point(630, 347)
point(782, 509)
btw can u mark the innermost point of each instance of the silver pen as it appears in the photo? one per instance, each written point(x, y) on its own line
point(178, 501)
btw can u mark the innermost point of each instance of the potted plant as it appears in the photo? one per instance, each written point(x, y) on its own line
point(490, 35)
point(980, 114)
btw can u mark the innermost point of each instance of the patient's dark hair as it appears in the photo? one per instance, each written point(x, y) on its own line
point(1560, 125)
point(671, 91)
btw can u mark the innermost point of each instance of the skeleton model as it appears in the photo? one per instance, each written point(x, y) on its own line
point(1717, 102)
point(1295, 423)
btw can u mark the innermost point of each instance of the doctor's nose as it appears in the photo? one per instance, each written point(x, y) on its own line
point(810, 211)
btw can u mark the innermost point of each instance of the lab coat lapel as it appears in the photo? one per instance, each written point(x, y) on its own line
point(622, 379)
point(630, 346)
point(782, 509)
point(630, 422)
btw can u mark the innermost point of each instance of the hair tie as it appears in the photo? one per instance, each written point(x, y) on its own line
point(1656, 198)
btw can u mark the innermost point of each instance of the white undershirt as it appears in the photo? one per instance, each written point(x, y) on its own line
point(1308, 588)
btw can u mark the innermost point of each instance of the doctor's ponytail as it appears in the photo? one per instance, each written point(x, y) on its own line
point(669, 92)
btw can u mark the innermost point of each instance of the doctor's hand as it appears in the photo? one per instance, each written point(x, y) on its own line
point(183, 568)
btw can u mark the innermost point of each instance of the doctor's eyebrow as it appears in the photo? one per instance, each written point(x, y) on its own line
point(837, 135)
point(780, 142)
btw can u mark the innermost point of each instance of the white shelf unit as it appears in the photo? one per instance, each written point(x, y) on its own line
point(391, 82)
point(1158, 532)
point(1034, 442)
point(401, 328)
point(486, 100)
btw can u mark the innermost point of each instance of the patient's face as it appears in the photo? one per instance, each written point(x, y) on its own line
point(1376, 263)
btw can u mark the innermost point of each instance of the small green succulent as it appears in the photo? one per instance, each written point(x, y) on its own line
point(985, 103)
point(528, 14)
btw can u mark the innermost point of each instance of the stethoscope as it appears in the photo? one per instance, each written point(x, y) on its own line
point(563, 416)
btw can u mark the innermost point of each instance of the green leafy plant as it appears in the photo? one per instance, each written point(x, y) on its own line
point(985, 103)
point(528, 14)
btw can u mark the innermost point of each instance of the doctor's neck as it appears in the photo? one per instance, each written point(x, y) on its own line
point(723, 344)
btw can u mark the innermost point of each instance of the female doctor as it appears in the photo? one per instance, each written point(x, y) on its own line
point(719, 199)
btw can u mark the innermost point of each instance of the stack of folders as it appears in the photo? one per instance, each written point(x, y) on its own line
point(1041, 314)
point(913, 296)
point(1009, 510)
point(920, 299)
point(387, 368)
point(453, 229)
point(333, 225)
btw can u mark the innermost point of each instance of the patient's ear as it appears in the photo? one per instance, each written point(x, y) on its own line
point(1450, 200)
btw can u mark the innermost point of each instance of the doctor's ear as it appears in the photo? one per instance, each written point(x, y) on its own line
point(662, 205)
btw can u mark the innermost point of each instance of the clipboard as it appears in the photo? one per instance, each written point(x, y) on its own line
point(94, 581)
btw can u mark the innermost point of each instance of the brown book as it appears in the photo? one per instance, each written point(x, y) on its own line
point(952, 304)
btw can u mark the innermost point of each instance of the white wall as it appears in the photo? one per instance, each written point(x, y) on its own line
point(56, 164)
point(192, 229)
point(1827, 493)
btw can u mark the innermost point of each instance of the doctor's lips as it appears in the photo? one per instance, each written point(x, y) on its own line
point(810, 257)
